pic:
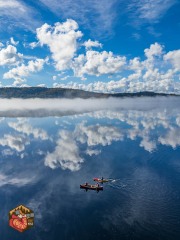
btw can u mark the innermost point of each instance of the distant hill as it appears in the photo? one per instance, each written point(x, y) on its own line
point(42, 92)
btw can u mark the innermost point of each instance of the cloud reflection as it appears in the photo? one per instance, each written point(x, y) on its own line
point(16, 142)
point(149, 121)
point(15, 181)
point(67, 150)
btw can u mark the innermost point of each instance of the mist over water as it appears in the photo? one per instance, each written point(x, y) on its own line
point(53, 107)
point(48, 147)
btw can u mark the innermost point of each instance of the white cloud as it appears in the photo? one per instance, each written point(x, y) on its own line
point(41, 85)
point(54, 78)
point(34, 44)
point(151, 30)
point(89, 44)
point(97, 63)
point(23, 71)
point(154, 50)
point(151, 74)
point(149, 10)
point(10, 56)
point(174, 58)
point(124, 85)
point(98, 16)
point(65, 78)
point(16, 13)
point(62, 41)
point(13, 42)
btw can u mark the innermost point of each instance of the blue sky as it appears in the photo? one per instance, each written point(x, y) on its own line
point(105, 46)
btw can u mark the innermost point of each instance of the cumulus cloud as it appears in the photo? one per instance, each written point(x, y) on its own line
point(97, 63)
point(154, 50)
point(124, 85)
point(89, 44)
point(174, 58)
point(61, 40)
point(10, 56)
point(19, 73)
point(152, 74)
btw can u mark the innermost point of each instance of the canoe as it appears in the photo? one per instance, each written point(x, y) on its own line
point(100, 180)
point(91, 187)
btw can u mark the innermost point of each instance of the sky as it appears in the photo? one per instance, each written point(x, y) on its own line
point(94, 45)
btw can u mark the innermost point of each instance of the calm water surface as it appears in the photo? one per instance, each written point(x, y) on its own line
point(45, 159)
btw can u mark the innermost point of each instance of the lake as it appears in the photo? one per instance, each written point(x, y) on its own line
point(49, 147)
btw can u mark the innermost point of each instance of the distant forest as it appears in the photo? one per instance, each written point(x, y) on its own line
point(42, 92)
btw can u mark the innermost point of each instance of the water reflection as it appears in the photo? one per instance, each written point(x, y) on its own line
point(43, 161)
point(70, 139)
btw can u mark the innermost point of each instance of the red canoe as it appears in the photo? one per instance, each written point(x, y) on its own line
point(91, 187)
point(100, 180)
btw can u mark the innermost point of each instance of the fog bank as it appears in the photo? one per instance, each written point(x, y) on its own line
point(60, 107)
